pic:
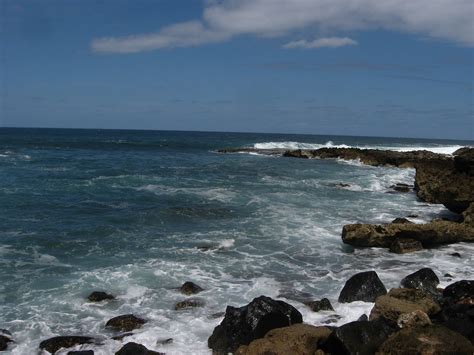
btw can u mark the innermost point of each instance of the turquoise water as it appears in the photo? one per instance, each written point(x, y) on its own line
point(137, 213)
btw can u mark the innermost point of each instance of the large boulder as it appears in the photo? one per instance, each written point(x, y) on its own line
point(54, 344)
point(431, 339)
point(242, 325)
point(362, 338)
point(125, 323)
point(459, 291)
point(402, 300)
point(297, 339)
point(136, 349)
point(429, 234)
point(424, 279)
point(364, 286)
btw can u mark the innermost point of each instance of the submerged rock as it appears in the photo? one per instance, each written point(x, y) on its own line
point(405, 245)
point(99, 296)
point(323, 305)
point(54, 344)
point(364, 286)
point(136, 349)
point(189, 303)
point(424, 279)
point(432, 339)
point(125, 323)
point(242, 325)
point(297, 339)
point(190, 288)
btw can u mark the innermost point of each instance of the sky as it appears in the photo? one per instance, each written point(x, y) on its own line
point(395, 68)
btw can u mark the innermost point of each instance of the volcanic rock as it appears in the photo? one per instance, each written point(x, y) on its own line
point(424, 279)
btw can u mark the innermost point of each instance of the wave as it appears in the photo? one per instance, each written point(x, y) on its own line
point(441, 149)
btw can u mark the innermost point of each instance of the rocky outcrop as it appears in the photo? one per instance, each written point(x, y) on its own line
point(432, 339)
point(402, 300)
point(99, 296)
point(297, 339)
point(136, 349)
point(54, 344)
point(429, 234)
point(242, 325)
point(125, 323)
point(322, 305)
point(424, 279)
point(364, 286)
point(190, 288)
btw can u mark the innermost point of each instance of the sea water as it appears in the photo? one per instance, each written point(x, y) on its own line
point(138, 213)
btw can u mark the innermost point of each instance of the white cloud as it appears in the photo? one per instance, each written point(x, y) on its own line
point(451, 20)
point(330, 42)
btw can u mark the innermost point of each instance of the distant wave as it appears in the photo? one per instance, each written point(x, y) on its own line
point(448, 149)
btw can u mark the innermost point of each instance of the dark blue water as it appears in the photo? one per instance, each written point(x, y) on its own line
point(137, 213)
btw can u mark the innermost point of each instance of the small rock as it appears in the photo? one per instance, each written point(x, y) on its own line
point(424, 279)
point(364, 286)
point(121, 336)
point(54, 344)
point(412, 216)
point(164, 341)
point(456, 255)
point(448, 275)
point(402, 221)
point(413, 319)
point(125, 323)
point(81, 352)
point(333, 319)
point(189, 303)
point(341, 185)
point(136, 349)
point(99, 296)
point(190, 288)
point(401, 187)
point(405, 245)
point(323, 305)
point(363, 318)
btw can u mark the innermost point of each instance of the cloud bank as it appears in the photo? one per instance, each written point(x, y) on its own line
point(330, 42)
point(451, 20)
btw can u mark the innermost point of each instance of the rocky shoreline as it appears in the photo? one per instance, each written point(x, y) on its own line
point(416, 318)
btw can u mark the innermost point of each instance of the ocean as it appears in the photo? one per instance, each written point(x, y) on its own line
point(138, 213)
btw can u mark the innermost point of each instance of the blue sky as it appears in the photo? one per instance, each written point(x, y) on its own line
point(365, 67)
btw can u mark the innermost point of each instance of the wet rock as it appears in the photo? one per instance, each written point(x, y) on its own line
point(164, 341)
point(364, 286)
point(242, 325)
point(401, 187)
point(412, 216)
point(402, 300)
point(332, 319)
point(432, 339)
point(413, 319)
point(121, 336)
point(99, 296)
point(405, 245)
point(136, 349)
point(189, 303)
point(448, 275)
point(125, 323)
point(81, 352)
point(362, 338)
point(217, 315)
point(4, 340)
point(429, 234)
point(323, 305)
point(402, 221)
point(297, 339)
point(457, 317)
point(456, 255)
point(190, 288)
point(54, 344)
point(459, 291)
point(424, 279)
point(341, 185)
point(363, 318)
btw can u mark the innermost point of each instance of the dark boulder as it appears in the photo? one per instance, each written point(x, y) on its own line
point(459, 291)
point(364, 286)
point(245, 324)
point(405, 245)
point(125, 323)
point(362, 338)
point(54, 344)
point(190, 288)
point(457, 317)
point(189, 303)
point(323, 305)
point(136, 349)
point(424, 279)
point(468, 215)
point(402, 221)
point(4, 340)
point(431, 339)
point(99, 296)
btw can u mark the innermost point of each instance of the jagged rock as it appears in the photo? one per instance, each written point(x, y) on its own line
point(189, 303)
point(99, 296)
point(364, 286)
point(242, 325)
point(81, 352)
point(429, 234)
point(405, 245)
point(125, 323)
point(323, 305)
point(459, 291)
point(54, 344)
point(402, 221)
point(136, 349)
point(301, 339)
point(424, 279)
point(432, 339)
point(402, 300)
point(362, 338)
point(190, 288)
point(413, 319)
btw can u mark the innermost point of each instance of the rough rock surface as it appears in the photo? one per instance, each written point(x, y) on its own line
point(424, 279)
point(413, 319)
point(431, 339)
point(323, 305)
point(242, 325)
point(190, 288)
point(459, 291)
point(457, 317)
point(136, 349)
point(99, 296)
point(297, 339)
point(405, 245)
point(125, 323)
point(364, 286)
point(54, 344)
point(402, 300)
point(429, 234)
